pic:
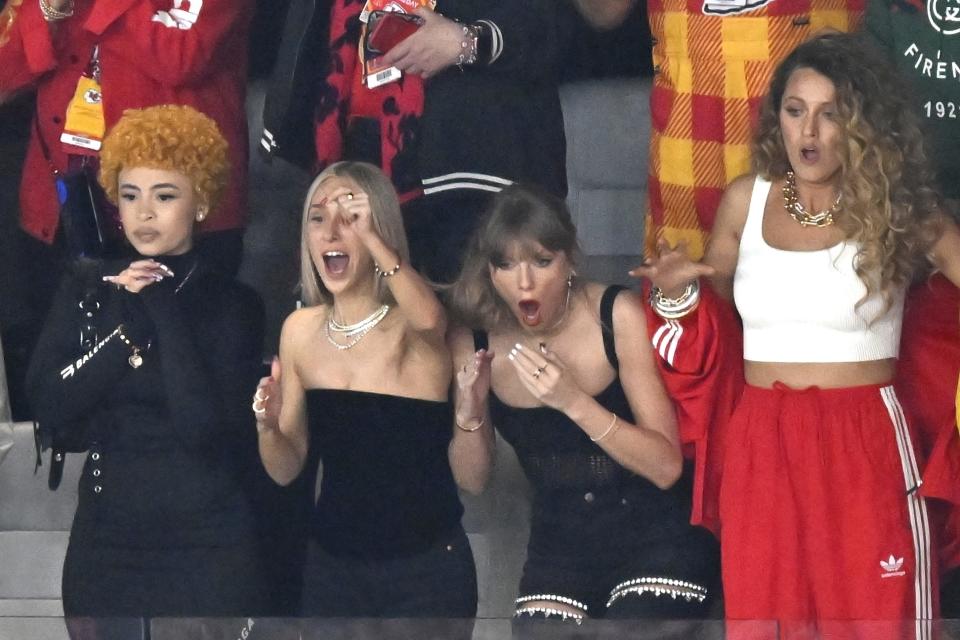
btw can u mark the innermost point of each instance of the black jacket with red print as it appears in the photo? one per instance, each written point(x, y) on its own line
point(475, 128)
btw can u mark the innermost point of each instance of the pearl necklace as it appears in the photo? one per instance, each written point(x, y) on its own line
point(356, 330)
point(799, 213)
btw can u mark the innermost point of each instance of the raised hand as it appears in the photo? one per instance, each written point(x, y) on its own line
point(268, 400)
point(354, 210)
point(139, 275)
point(545, 376)
point(672, 269)
point(473, 384)
point(434, 47)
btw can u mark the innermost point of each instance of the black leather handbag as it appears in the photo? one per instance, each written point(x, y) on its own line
point(62, 439)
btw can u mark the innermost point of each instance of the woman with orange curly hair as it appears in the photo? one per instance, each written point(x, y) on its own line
point(821, 511)
point(159, 383)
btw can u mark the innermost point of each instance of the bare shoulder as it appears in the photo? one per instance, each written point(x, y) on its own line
point(628, 307)
point(732, 212)
point(629, 314)
point(300, 324)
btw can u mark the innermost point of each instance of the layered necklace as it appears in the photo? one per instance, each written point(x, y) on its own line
point(799, 213)
point(354, 333)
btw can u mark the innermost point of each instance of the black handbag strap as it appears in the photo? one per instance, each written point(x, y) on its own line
point(88, 307)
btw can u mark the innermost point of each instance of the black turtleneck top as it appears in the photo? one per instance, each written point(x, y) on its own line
point(166, 437)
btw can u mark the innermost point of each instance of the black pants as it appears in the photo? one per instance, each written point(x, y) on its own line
point(440, 582)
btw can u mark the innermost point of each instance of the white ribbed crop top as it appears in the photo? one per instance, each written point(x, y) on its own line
point(799, 306)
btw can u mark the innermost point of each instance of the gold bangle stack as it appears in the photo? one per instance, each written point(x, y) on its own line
point(675, 308)
point(51, 14)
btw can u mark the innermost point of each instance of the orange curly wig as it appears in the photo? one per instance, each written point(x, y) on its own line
point(172, 138)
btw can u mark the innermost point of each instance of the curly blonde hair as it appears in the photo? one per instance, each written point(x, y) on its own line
point(518, 215)
point(171, 138)
point(890, 207)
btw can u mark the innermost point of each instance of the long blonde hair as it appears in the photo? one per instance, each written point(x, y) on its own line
point(387, 220)
point(890, 206)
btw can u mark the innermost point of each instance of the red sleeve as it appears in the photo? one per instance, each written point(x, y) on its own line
point(175, 42)
point(927, 382)
point(701, 361)
point(26, 46)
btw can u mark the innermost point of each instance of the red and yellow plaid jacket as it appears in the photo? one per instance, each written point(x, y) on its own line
point(712, 61)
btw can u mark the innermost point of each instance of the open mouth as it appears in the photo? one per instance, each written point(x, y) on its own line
point(146, 235)
point(336, 262)
point(810, 154)
point(530, 312)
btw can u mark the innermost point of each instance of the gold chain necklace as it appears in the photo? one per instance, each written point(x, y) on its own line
point(791, 201)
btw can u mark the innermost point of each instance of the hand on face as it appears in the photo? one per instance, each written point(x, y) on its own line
point(139, 275)
point(544, 376)
point(353, 208)
point(671, 270)
point(434, 47)
point(473, 381)
point(268, 400)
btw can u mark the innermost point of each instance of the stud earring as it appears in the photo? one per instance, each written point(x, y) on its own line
point(201, 214)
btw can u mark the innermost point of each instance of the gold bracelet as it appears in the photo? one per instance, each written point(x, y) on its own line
point(387, 274)
point(468, 429)
point(610, 430)
point(54, 15)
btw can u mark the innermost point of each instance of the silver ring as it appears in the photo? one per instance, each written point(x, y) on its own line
point(257, 396)
point(258, 410)
point(539, 371)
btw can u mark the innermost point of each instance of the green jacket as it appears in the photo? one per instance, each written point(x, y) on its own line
point(922, 37)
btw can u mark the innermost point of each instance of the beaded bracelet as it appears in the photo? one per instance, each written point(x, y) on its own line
point(50, 14)
point(386, 274)
point(469, 45)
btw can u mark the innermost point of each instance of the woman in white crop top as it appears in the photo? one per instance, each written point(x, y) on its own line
point(820, 508)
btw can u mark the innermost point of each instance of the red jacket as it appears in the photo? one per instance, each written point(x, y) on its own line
point(701, 362)
point(191, 52)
